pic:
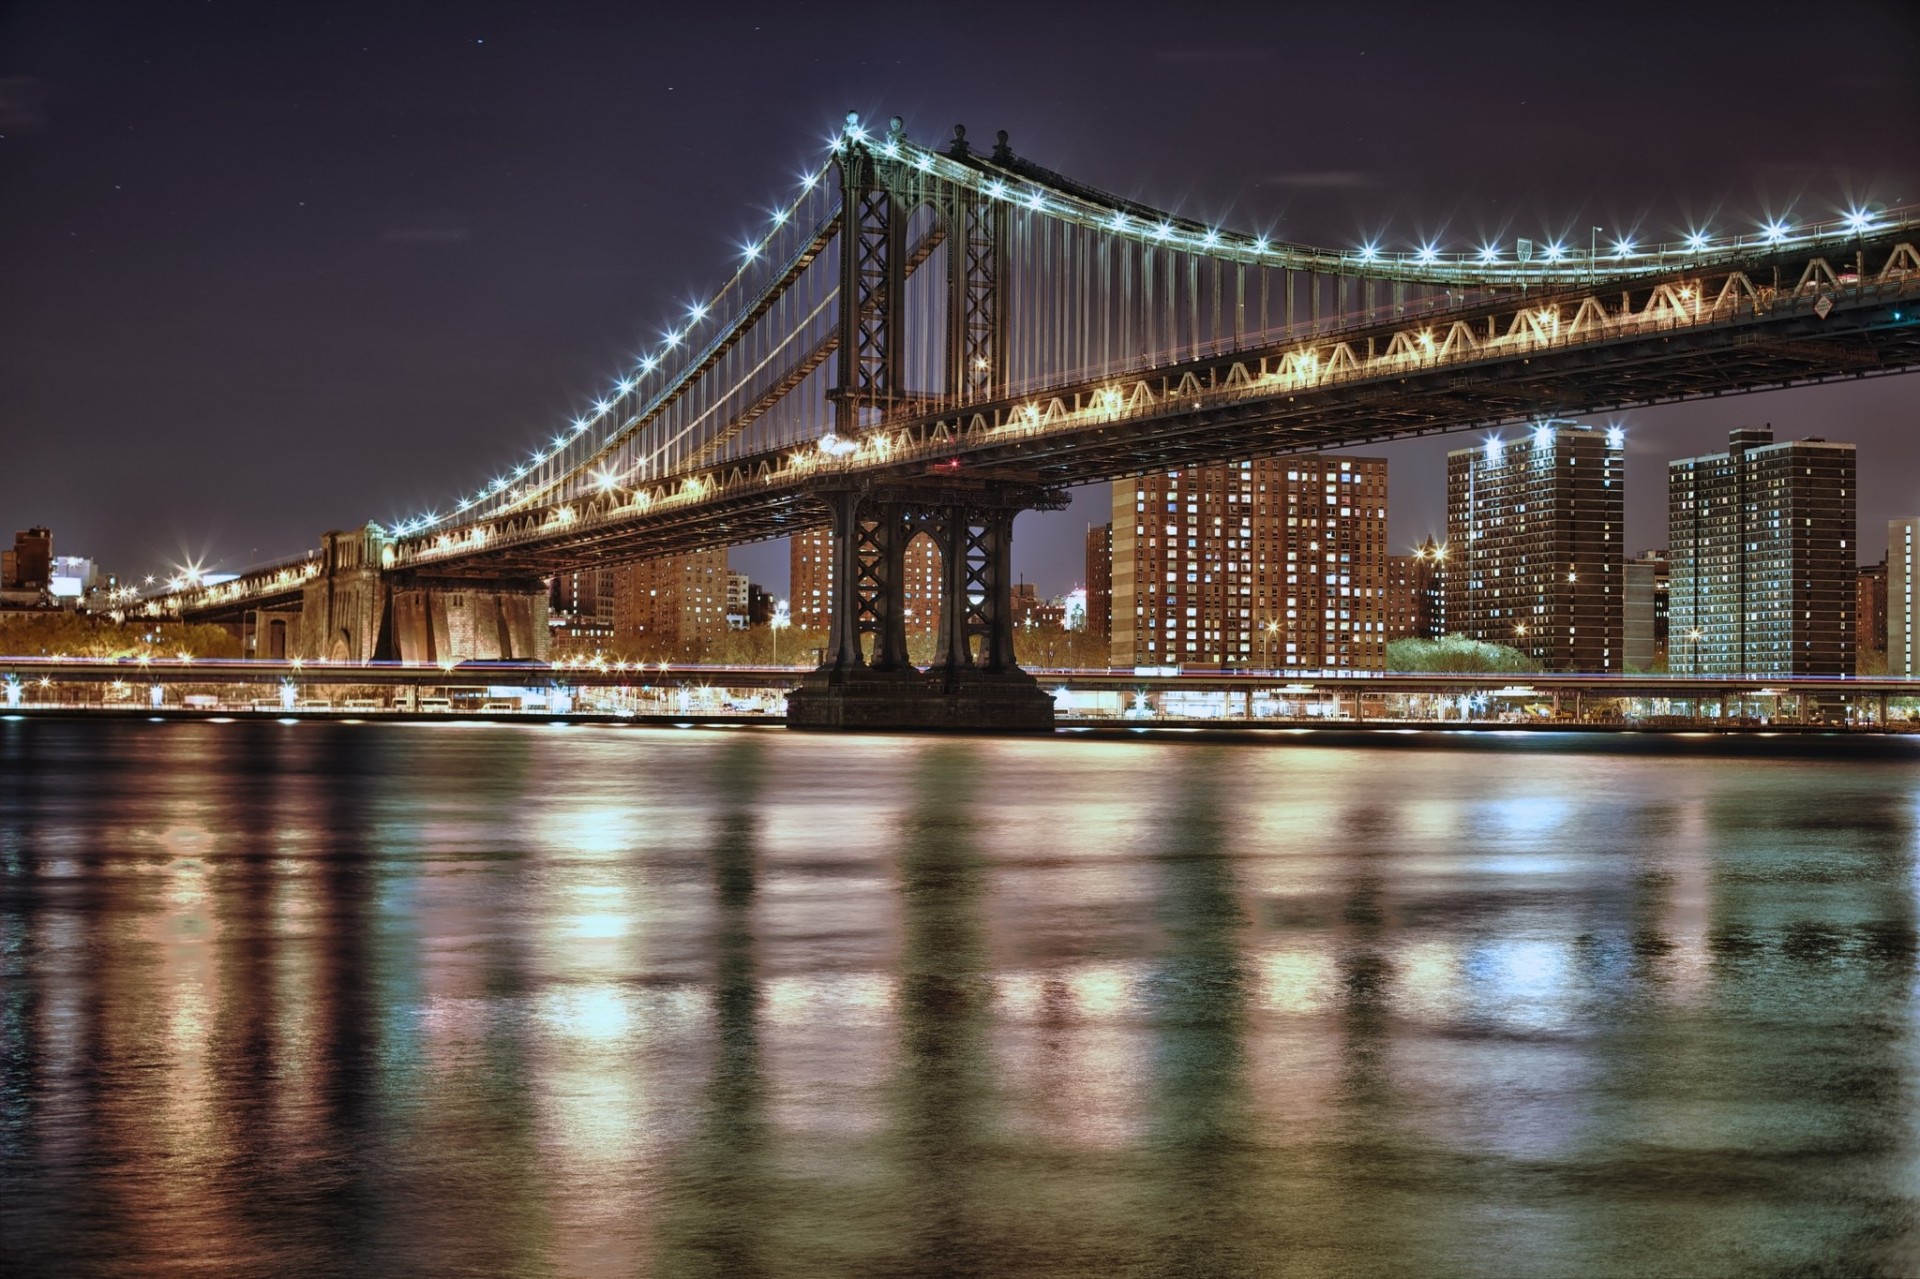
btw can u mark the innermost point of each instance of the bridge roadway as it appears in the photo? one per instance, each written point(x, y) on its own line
point(231, 686)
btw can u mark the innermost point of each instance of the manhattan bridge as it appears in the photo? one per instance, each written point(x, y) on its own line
point(930, 340)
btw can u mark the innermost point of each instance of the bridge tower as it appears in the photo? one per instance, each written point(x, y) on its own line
point(866, 679)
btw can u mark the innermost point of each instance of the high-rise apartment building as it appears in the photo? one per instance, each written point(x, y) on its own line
point(1762, 562)
point(1533, 531)
point(810, 563)
point(1100, 580)
point(676, 602)
point(1903, 596)
point(1280, 562)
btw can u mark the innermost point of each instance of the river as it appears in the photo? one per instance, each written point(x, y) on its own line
point(379, 999)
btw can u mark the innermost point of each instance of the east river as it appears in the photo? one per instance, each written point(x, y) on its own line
point(363, 999)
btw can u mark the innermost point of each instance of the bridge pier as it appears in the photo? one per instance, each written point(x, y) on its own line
point(359, 610)
point(867, 681)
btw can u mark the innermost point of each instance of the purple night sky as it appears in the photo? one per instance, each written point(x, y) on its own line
point(275, 268)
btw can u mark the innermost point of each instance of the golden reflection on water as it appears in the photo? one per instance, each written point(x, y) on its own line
point(376, 1000)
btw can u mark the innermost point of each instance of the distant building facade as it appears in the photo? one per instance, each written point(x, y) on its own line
point(1280, 561)
point(1870, 609)
point(1416, 597)
point(1100, 580)
point(739, 601)
point(1903, 596)
point(1644, 620)
point(29, 565)
point(580, 604)
point(810, 564)
point(676, 601)
point(1533, 531)
point(1762, 562)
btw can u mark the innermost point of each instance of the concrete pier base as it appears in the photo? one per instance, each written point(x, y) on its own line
point(916, 701)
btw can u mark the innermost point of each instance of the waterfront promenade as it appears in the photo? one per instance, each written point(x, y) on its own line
point(1088, 699)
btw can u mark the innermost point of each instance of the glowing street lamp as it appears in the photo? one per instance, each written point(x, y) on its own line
point(780, 620)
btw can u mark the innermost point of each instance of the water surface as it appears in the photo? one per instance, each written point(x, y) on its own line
point(337, 999)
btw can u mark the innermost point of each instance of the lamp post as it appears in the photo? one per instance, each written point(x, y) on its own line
point(1693, 638)
point(1271, 628)
point(780, 620)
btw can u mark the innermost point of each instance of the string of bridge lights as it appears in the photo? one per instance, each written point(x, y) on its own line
point(655, 361)
point(1557, 259)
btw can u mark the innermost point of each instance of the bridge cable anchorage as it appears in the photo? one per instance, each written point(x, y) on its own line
point(960, 316)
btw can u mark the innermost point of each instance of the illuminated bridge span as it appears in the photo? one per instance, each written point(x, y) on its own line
point(930, 341)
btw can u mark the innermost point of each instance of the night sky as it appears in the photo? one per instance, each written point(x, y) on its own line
point(268, 269)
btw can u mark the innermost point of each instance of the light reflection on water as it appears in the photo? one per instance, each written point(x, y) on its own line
point(330, 999)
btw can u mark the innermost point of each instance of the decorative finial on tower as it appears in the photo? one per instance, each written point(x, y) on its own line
point(958, 148)
point(896, 128)
point(1001, 151)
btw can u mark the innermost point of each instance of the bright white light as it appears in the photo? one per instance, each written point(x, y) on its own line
point(1859, 219)
point(601, 406)
point(997, 189)
point(1119, 222)
point(749, 251)
point(1035, 201)
point(1776, 231)
point(603, 481)
point(1622, 248)
point(1556, 251)
point(1696, 240)
point(698, 311)
point(1260, 244)
point(779, 217)
point(1489, 253)
point(1162, 231)
point(672, 339)
point(1542, 436)
point(1616, 437)
point(1494, 446)
point(1427, 253)
point(1369, 251)
point(1211, 238)
point(627, 386)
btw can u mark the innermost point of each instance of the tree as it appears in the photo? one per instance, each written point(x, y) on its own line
point(1456, 654)
point(77, 635)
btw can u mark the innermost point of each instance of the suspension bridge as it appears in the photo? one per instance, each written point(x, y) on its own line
point(929, 340)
